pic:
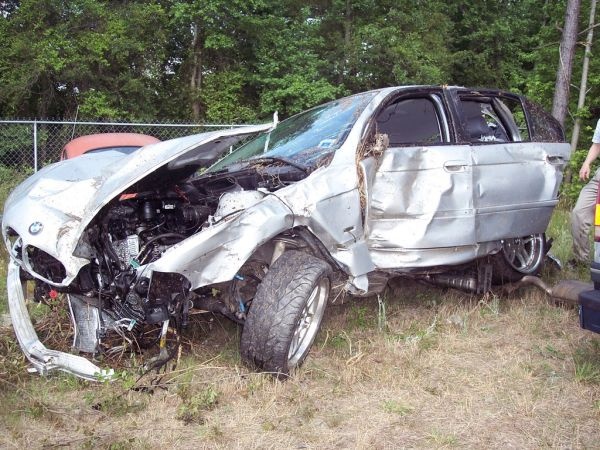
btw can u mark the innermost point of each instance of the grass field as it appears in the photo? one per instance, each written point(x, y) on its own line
point(420, 367)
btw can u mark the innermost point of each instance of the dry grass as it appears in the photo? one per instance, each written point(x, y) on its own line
point(441, 369)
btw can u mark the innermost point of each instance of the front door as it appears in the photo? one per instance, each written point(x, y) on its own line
point(420, 194)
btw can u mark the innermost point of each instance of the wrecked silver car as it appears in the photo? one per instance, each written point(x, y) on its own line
point(448, 185)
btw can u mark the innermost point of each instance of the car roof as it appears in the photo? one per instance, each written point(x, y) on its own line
point(83, 144)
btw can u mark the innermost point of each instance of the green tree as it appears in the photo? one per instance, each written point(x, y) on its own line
point(291, 73)
point(213, 50)
point(373, 44)
point(492, 40)
point(105, 59)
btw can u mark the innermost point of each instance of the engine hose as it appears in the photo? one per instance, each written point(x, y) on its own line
point(111, 252)
point(104, 259)
point(154, 239)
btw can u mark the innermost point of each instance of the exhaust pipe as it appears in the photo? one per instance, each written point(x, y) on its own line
point(566, 291)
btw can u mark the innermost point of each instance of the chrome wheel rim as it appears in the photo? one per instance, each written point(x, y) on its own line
point(524, 254)
point(308, 323)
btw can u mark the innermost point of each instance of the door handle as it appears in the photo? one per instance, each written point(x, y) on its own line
point(555, 159)
point(455, 166)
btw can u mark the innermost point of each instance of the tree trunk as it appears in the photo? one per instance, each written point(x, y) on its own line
point(584, 75)
point(196, 73)
point(566, 52)
point(347, 24)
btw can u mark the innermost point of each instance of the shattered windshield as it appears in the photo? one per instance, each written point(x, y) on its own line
point(306, 137)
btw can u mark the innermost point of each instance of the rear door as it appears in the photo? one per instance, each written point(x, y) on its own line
point(515, 180)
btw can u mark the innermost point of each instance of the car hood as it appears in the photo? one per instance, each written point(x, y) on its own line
point(62, 198)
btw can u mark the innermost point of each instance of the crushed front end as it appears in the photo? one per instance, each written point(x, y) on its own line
point(103, 250)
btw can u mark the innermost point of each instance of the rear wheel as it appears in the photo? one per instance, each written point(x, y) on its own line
point(286, 313)
point(519, 257)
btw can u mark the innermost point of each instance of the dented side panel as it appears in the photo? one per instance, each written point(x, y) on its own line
point(328, 203)
point(421, 197)
point(450, 204)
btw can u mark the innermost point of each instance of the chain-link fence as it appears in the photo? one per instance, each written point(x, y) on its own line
point(29, 145)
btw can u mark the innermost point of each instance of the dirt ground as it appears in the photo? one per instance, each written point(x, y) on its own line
point(421, 367)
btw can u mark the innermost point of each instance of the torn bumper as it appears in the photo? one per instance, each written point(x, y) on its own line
point(42, 358)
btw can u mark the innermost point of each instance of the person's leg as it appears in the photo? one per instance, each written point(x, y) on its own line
point(582, 218)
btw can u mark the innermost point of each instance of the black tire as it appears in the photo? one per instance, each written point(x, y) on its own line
point(519, 257)
point(286, 313)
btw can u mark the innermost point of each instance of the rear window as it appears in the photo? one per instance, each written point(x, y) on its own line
point(545, 128)
point(127, 150)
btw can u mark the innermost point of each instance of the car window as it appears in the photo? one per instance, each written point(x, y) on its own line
point(410, 121)
point(492, 118)
point(306, 137)
point(514, 115)
point(127, 150)
point(482, 123)
point(545, 128)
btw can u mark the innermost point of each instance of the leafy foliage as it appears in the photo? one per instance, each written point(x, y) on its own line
point(136, 59)
point(239, 61)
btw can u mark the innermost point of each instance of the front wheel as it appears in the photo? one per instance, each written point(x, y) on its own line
point(519, 257)
point(286, 313)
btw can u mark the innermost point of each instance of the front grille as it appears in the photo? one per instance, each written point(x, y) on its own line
point(45, 265)
point(13, 244)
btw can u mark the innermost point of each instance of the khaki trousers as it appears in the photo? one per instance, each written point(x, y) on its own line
point(582, 218)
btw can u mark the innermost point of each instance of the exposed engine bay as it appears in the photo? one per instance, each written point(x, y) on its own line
point(137, 228)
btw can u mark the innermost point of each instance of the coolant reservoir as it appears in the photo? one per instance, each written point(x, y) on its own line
point(232, 202)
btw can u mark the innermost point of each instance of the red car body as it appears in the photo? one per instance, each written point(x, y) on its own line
point(104, 141)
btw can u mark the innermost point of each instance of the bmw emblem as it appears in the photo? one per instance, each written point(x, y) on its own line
point(36, 228)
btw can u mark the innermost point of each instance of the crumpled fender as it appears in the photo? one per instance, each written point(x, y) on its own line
point(327, 203)
point(215, 254)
